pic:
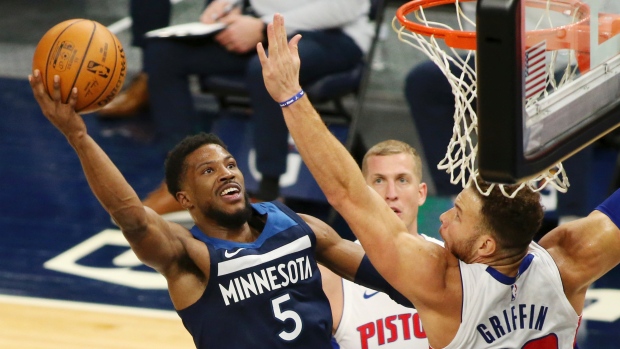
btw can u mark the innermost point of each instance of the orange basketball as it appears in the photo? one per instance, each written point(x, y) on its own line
point(86, 55)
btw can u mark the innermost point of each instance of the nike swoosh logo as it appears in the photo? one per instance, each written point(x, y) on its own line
point(228, 255)
point(368, 295)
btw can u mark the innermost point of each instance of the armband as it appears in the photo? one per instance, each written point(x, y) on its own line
point(293, 99)
point(611, 207)
point(368, 276)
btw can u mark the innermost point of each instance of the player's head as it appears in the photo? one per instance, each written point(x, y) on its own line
point(394, 170)
point(481, 227)
point(201, 173)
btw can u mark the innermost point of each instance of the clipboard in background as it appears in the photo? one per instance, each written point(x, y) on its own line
point(187, 30)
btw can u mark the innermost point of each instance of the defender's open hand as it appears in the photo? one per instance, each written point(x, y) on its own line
point(281, 68)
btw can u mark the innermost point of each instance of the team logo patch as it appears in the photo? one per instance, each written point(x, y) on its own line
point(98, 69)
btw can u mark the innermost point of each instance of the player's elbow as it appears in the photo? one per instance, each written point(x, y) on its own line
point(131, 218)
point(338, 199)
point(341, 194)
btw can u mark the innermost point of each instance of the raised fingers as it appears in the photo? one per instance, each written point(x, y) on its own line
point(262, 56)
point(73, 97)
point(56, 89)
point(37, 85)
point(35, 80)
point(278, 22)
point(292, 45)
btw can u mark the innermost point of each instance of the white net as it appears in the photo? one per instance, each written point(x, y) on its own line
point(458, 65)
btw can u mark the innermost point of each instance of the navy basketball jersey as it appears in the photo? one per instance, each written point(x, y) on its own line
point(264, 294)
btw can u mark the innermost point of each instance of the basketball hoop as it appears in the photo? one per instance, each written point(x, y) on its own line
point(459, 51)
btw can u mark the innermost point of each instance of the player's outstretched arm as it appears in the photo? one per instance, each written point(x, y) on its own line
point(105, 180)
point(341, 256)
point(393, 251)
point(586, 249)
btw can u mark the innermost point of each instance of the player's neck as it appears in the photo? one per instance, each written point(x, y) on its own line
point(413, 228)
point(245, 233)
point(507, 264)
point(237, 230)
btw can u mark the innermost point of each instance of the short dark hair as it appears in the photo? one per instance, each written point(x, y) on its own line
point(175, 161)
point(514, 222)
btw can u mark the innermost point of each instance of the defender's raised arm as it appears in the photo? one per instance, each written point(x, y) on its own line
point(384, 236)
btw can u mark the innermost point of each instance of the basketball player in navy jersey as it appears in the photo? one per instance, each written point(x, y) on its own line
point(491, 286)
point(363, 317)
point(245, 276)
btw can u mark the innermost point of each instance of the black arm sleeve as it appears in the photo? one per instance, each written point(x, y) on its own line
point(369, 277)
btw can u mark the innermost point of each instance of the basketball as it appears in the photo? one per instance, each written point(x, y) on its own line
point(86, 55)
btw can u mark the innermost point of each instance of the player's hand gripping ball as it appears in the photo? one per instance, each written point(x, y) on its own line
point(86, 55)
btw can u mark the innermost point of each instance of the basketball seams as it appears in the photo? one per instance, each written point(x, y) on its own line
point(77, 74)
point(49, 53)
point(104, 90)
point(69, 51)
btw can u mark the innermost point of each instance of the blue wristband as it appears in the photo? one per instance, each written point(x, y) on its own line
point(293, 99)
point(611, 207)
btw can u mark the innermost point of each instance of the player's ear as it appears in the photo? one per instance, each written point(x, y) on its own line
point(486, 245)
point(422, 193)
point(184, 200)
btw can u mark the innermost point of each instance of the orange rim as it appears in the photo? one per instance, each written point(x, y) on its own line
point(453, 38)
point(562, 37)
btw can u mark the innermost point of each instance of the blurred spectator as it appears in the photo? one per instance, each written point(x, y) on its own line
point(336, 34)
point(146, 15)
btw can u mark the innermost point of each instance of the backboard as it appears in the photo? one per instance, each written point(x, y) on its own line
point(548, 82)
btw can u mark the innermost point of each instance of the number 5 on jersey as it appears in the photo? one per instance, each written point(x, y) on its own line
point(284, 315)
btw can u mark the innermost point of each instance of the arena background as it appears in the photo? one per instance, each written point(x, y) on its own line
point(57, 244)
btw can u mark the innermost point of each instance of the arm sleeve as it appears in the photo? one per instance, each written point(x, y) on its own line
point(369, 277)
point(611, 207)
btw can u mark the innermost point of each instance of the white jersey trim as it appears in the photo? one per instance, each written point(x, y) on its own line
point(237, 264)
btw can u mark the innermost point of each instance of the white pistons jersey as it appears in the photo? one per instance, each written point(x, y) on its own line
point(372, 320)
point(529, 311)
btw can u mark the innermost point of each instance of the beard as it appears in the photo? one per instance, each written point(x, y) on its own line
point(464, 250)
point(232, 220)
point(461, 252)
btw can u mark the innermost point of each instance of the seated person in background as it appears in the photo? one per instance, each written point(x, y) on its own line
point(146, 15)
point(245, 273)
point(337, 34)
point(364, 318)
point(431, 105)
